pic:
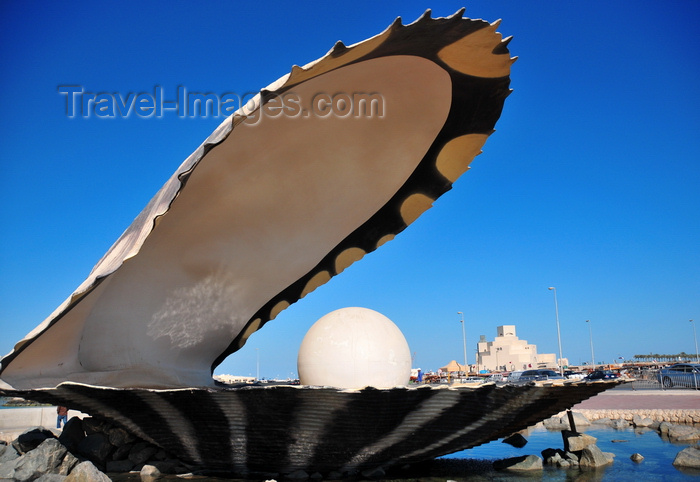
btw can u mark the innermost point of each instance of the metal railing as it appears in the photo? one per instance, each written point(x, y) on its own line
point(670, 380)
point(653, 379)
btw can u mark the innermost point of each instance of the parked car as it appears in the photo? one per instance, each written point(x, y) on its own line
point(570, 374)
point(472, 380)
point(537, 375)
point(602, 375)
point(680, 375)
point(514, 376)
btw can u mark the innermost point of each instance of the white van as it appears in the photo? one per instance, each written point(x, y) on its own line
point(495, 377)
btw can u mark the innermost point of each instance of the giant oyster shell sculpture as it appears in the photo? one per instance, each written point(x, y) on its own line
point(278, 200)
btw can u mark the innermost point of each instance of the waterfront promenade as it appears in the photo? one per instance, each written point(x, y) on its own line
point(642, 399)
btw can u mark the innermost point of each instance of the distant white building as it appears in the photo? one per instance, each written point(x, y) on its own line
point(508, 353)
point(232, 379)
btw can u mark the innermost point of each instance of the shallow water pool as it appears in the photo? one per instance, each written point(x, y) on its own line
point(658, 455)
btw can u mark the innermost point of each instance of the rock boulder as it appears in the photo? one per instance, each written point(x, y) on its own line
point(118, 436)
point(688, 457)
point(150, 471)
point(47, 458)
point(96, 447)
point(683, 433)
point(72, 433)
point(580, 420)
point(516, 440)
point(95, 425)
point(575, 442)
point(119, 465)
point(639, 421)
point(86, 472)
point(7, 453)
point(31, 439)
point(51, 478)
point(552, 455)
point(592, 456)
point(620, 424)
point(555, 423)
point(524, 463)
point(636, 457)
point(141, 452)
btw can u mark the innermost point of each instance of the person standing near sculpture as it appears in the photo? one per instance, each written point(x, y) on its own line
point(62, 416)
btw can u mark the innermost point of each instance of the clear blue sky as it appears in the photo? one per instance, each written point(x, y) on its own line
point(591, 182)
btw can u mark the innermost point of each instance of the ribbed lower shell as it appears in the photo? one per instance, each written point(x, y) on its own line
point(318, 429)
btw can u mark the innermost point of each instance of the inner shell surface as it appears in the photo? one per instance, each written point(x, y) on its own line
point(258, 212)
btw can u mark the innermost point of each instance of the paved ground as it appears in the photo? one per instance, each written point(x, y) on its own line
point(643, 399)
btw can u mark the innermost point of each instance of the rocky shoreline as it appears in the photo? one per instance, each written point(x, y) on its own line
point(85, 450)
point(685, 416)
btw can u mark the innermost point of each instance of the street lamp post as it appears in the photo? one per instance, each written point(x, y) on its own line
point(257, 363)
point(464, 340)
point(556, 312)
point(590, 332)
point(695, 336)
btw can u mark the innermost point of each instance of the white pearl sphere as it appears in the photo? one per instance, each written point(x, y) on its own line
point(354, 348)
